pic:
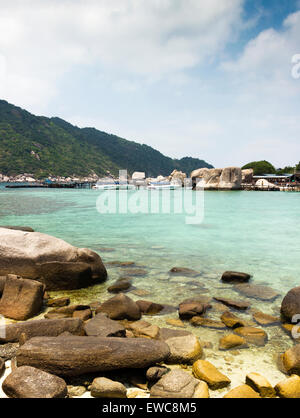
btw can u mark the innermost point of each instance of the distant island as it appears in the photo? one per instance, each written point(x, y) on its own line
point(44, 146)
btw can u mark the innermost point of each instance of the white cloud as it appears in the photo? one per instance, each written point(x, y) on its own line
point(44, 40)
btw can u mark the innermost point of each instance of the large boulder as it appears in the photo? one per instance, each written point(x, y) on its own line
point(120, 307)
point(290, 305)
point(49, 260)
point(21, 299)
point(229, 178)
point(247, 175)
point(29, 382)
point(289, 388)
point(41, 328)
point(73, 356)
point(179, 384)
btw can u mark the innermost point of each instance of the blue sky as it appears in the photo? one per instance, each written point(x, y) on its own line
point(204, 78)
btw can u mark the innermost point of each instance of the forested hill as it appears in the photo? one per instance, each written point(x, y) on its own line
point(51, 146)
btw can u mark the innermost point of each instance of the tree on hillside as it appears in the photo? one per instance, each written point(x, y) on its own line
point(261, 167)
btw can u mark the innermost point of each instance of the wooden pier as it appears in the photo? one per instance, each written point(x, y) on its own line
point(44, 185)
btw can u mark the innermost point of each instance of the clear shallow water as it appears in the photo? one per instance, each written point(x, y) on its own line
point(254, 232)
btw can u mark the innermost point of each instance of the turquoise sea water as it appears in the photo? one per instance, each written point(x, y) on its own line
point(254, 232)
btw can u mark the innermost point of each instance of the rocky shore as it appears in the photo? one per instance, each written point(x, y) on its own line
point(125, 345)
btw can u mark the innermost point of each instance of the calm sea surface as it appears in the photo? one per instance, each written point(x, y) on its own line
point(254, 232)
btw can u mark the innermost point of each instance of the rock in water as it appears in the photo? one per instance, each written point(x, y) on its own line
point(257, 291)
point(49, 260)
point(289, 388)
point(253, 335)
point(179, 384)
point(232, 341)
point(290, 305)
point(291, 360)
point(106, 388)
point(229, 178)
point(28, 382)
point(184, 346)
point(120, 307)
point(102, 326)
point(261, 385)
point(240, 305)
point(73, 356)
point(21, 299)
point(42, 328)
point(207, 372)
point(243, 392)
point(149, 308)
point(235, 277)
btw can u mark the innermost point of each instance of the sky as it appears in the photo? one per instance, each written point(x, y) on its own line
point(210, 79)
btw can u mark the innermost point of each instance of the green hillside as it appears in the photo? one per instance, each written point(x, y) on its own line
point(44, 146)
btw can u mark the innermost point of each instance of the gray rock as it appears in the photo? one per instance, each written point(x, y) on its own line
point(21, 299)
point(120, 307)
point(184, 346)
point(290, 305)
point(28, 382)
point(48, 259)
point(176, 384)
point(71, 356)
point(106, 388)
point(40, 328)
point(235, 277)
point(8, 351)
point(102, 326)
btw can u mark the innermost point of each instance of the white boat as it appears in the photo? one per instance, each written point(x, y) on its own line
point(162, 185)
point(113, 185)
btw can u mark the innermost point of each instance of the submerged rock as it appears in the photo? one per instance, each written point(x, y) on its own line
point(49, 260)
point(235, 277)
point(207, 372)
point(253, 335)
point(232, 341)
point(90, 354)
point(191, 309)
point(183, 271)
point(197, 321)
point(257, 291)
point(239, 305)
point(22, 299)
point(119, 286)
point(120, 307)
point(29, 382)
point(179, 384)
point(264, 319)
point(149, 308)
